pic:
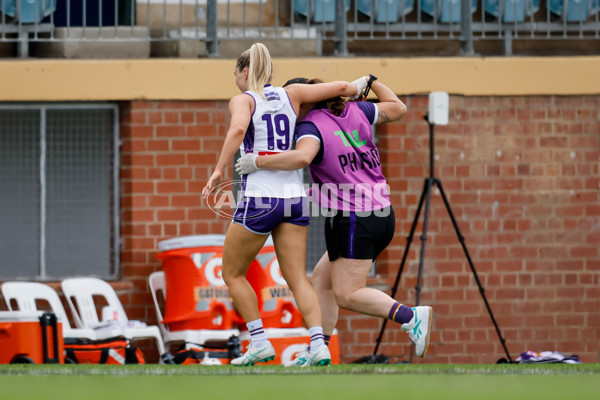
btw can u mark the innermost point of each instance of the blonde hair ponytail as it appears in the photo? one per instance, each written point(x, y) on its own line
point(260, 67)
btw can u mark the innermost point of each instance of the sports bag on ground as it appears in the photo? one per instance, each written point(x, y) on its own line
point(212, 352)
point(115, 350)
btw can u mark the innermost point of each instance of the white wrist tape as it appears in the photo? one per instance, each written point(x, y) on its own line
point(361, 84)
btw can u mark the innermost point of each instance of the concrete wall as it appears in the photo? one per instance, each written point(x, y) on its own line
point(212, 79)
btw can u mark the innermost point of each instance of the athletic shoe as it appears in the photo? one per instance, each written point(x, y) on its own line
point(306, 358)
point(300, 360)
point(254, 355)
point(321, 357)
point(419, 329)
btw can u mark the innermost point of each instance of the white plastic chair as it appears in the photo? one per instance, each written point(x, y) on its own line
point(191, 337)
point(83, 290)
point(26, 295)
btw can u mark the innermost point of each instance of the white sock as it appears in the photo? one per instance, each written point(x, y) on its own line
point(316, 338)
point(258, 337)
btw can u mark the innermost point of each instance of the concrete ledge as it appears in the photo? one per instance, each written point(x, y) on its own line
point(212, 79)
point(95, 43)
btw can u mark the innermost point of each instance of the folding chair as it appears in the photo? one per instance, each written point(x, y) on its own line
point(26, 295)
point(80, 294)
point(383, 11)
point(511, 10)
point(31, 12)
point(190, 338)
point(318, 10)
point(572, 10)
point(446, 11)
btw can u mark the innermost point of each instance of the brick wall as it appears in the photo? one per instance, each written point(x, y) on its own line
point(168, 151)
point(522, 178)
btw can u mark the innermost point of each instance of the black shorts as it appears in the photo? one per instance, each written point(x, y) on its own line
point(361, 236)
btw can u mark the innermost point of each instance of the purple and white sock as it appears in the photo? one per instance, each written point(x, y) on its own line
point(316, 337)
point(258, 337)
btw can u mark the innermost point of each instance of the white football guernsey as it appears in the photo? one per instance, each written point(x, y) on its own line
point(271, 131)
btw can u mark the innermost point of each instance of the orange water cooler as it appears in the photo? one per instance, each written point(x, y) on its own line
point(30, 338)
point(197, 295)
point(276, 302)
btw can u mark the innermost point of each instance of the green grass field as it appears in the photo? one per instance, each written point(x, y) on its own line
point(347, 382)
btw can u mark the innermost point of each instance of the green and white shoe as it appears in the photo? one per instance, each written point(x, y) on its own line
point(255, 355)
point(300, 360)
point(321, 357)
point(419, 329)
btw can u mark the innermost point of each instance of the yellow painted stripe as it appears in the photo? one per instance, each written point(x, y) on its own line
point(212, 79)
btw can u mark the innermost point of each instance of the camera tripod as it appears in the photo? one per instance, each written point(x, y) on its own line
point(430, 182)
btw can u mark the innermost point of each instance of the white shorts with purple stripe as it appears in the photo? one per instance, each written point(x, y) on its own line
point(262, 214)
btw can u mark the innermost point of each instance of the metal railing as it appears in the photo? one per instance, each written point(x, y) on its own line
point(337, 21)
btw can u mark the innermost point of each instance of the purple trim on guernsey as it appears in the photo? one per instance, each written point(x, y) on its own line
point(290, 101)
point(244, 183)
point(249, 136)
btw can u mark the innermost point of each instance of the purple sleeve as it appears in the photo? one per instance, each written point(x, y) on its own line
point(369, 109)
point(307, 128)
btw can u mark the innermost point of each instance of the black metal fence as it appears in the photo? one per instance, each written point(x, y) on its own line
point(335, 21)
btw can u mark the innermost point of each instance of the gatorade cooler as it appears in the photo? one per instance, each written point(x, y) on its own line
point(197, 295)
point(289, 342)
point(30, 337)
point(277, 306)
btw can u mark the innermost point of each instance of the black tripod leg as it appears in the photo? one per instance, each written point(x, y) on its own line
point(464, 246)
point(430, 183)
point(409, 239)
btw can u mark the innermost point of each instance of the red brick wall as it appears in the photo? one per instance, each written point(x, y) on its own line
point(168, 151)
point(521, 175)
